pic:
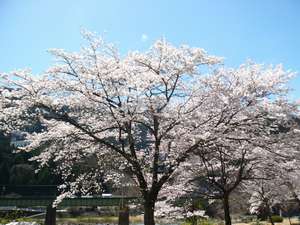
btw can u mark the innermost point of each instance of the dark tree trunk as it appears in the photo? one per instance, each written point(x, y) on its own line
point(269, 213)
point(50, 218)
point(124, 215)
point(297, 199)
point(149, 213)
point(270, 218)
point(226, 209)
point(289, 217)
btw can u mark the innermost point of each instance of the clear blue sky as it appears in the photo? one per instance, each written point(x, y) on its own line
point(266, 31)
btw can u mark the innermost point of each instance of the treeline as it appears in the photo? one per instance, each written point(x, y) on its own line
point(16, 169)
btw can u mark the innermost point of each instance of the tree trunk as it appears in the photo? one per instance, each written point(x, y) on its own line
point(149, 213)
point(297, 199)
point(50, 218)
point(269, 213)
point(226, 209)
point(289, 217)
point(124, 215)
point(270, 218)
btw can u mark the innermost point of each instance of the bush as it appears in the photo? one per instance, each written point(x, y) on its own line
point(277, 219)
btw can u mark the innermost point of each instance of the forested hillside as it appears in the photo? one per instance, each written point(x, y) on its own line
point(16, 169)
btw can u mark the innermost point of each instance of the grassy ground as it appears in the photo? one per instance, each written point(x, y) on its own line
point(79, 220)
point(294, 221)
point(137, 219)
point(91, 219)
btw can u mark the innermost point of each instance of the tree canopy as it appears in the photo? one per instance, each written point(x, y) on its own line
point(145, 114)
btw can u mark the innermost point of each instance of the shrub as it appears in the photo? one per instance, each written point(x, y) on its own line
point(277, 219)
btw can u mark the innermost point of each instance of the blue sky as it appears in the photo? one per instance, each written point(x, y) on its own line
point(266, 31)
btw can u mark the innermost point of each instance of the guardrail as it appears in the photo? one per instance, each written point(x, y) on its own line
point(94, 201)
point(44, 195)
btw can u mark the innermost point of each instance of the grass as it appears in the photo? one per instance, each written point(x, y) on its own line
point(97, 219)
point(133, 219)
point(294, 221)
point(285, 221)
point(79, 219)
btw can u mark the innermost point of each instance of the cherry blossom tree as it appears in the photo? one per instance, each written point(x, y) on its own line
point(278, 175)
point(277, 188)
point(289, 169)
point(245, 136)
point(281, 183)
point(142, 114)
point(129, 113)
point(272, 190)
point(265, 196)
